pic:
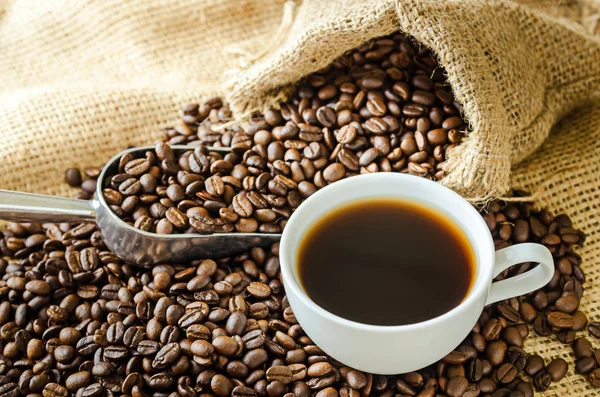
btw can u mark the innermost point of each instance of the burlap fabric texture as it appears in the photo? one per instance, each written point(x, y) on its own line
point(81, 80)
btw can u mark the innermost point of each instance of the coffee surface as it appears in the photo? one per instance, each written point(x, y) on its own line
point(386, 262)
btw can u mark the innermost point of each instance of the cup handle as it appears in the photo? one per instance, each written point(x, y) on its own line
point(525, 282)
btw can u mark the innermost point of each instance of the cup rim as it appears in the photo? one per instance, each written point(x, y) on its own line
point(480, 286)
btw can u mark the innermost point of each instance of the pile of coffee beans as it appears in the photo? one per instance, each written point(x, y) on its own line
point(75, 319)
point(198, 191)
point(383, 107)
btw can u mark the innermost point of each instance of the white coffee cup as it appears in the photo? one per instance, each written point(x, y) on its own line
point(404, 348)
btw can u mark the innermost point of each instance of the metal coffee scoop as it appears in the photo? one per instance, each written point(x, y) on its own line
point(128, 243)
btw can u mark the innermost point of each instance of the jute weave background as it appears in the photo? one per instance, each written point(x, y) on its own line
point(80, 80)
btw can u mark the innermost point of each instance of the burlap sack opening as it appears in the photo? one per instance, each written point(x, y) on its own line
point(515, 70)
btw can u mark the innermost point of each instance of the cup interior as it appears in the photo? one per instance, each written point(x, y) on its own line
point(389, 186)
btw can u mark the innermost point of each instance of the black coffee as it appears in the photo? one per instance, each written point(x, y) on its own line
point(386, 262)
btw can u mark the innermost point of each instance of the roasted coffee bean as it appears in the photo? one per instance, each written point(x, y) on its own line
point(334, 172)
point(320, 369)
point(54, 390)
point(557, 369)
point(221, 386)
point(534, 365)
point(491, 330)
point(279, 373)
point(78, 380)
point(457, 386)
point(560, 320)
point(508, 312)
point(103, 368)
point(356, 379)
point(496, 352)
point(594, 378)
point(585, 365)
point(166, 355)
point(73, 178)
point(133, 336)
point(542, 380)
point(594, 329)
point(506, 373)
point(541, 325)
point(580, 321)
point(582, 348)
point(567, 304)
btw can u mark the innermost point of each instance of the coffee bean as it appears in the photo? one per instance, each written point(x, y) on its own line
point(557, 369)
point(225, 345)
point(242, 205)
point(542, 326)
point(334, 172)
point(133, 336)
point(346, 134)
point(279, 373)
point(491, 330)
point(582, 348)
point(585, 365)
point(567, 304)
point(534, 365)
point(438, 136)
point(9, 389)
point(166, 355)
point(242, 391)
point(356, 379)
point(197, 283)
point(161, 382)
point(319, 369)
point(506, 373)
point(368, 157)
point(73, 177)
point(542, 380)
point(508, 312)
point(176, 217)
point(143, 223)
point(527, 312)
point(78, 380)
point(326, 116)
point(38, 287)
point(594, 329)
point(221, 386)
point(455, 357)
point(102, 369)
point(114, 353)
point(54, 390)
point(255, 358)
point(496, 351)
point(594, 378)
point(457, 386)
point(560, 320)
point(64, 353)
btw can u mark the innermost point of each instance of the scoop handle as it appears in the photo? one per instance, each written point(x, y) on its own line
point(38, 208)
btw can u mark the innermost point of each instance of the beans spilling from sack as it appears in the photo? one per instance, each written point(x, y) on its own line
point(383, 107)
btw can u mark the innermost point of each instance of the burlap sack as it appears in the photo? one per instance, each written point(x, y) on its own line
point(80, 80)
point(515, 70)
